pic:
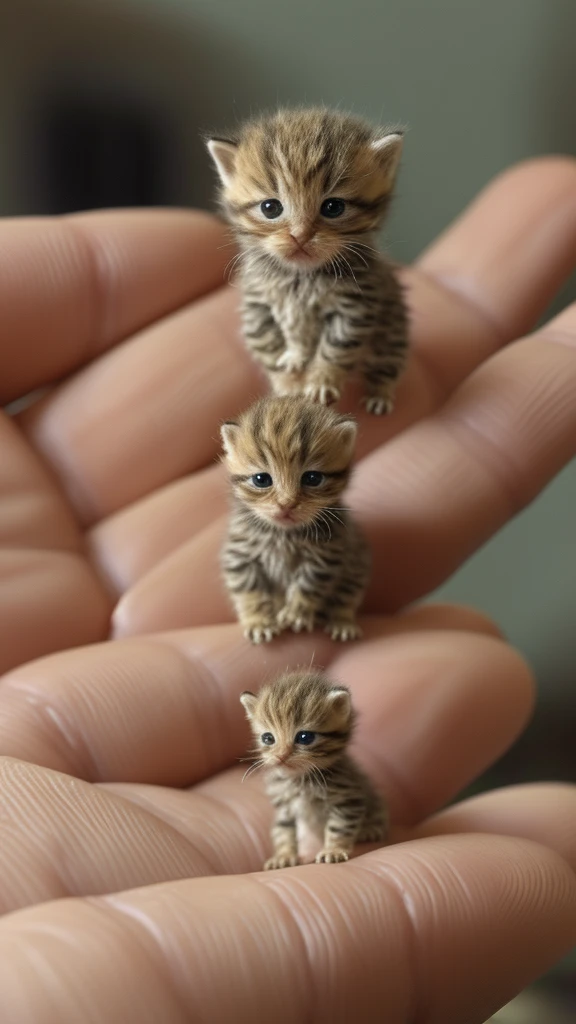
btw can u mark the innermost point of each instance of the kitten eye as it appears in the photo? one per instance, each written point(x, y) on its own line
point(312, 478)
point(332, 207)
point(272, 208)
point(305, 738)
point(267, 738)
point(262, 480)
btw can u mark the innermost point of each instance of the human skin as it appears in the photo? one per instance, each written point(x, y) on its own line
point(130, 849)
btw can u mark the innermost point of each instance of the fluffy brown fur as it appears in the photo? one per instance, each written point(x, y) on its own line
point(302, 724)
point(293, 557)
point(319, 300)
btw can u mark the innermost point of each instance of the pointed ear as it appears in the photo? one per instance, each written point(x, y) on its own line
point(389, 150)
point(224, 156)
point(341, 703)
point(248, 701)
point(346, 431)
point(229, 433)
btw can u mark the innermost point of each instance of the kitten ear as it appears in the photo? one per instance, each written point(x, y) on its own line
point(248, 701)
point(341, 704)
point(389, 150)
point(228, 433)
point(346, 431)
point(224, 156)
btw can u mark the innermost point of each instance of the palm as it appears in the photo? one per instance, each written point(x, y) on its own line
point(113, 503)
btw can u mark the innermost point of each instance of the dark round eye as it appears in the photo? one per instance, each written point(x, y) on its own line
point(305, 738)
point(332, 207)
point(267, 738)
point(312, 478)
point(272, 208)
point(262, 480)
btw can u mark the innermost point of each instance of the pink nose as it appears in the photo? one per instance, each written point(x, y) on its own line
point(301, 236)
point(287, 506)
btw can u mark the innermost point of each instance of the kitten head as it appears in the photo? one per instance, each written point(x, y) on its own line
point(289, 460)
point(300, 722)
point(304, 186)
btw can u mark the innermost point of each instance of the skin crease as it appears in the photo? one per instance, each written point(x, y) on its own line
point(120, 786)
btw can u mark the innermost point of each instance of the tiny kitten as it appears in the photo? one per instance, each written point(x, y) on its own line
point(293, 557)
point(302, 724)
point(305, 192)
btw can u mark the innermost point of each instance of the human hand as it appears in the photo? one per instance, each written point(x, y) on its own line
point(150, 712)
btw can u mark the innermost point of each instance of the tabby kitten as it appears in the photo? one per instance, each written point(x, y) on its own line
point(293, 557)
point(302, 724)
point(305, 192)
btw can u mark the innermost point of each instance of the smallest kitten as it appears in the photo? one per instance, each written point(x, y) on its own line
point(302, 724)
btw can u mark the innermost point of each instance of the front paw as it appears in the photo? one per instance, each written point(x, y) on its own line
point(344, 631)
point(261, 632)
point(282, 861)
point(331, 857)
point(322, 394)
point(378, 405)
point(291, 362)
point(298, 619)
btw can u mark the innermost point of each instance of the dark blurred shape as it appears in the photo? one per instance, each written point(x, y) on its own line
point(94, 153)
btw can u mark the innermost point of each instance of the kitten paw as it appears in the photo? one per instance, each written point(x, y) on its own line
point(261, 634)
point(331, 857)
point(324, 394)
point(291, 362)
point(299, 621)
point(283, 861)
point(344, 631)
point(378, 406)
point(375, 834)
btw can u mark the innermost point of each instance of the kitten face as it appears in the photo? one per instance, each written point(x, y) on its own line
point(289, 459)
point(300, 721)
point(301, 186)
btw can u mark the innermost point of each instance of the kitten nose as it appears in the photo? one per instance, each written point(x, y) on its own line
point(301, 235)
point(287, 505)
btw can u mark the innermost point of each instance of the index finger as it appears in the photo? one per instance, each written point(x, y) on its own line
point(71, 287)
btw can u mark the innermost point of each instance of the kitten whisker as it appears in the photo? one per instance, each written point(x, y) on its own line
point(349, 248)
point(253, 768)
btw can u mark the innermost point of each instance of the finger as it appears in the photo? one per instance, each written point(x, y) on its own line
point(63, 837)
point(500, 274)
point(127, 545)
point(167, 711)
point(49, 596)
point(544, 813)
point(431, 497)
point(443, 928)
point(70, 287)
point(175, 369)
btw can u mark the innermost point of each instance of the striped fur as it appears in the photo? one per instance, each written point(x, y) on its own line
point(318, 785)
point(293, 558)
point(319, 301)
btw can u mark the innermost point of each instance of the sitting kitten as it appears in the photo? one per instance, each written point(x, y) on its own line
point(305, 192)
point(302, 725)
point(293, 557)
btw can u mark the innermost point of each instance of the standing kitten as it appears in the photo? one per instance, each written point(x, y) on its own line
point(293, 557)
point(305, 192)
point(302, 725)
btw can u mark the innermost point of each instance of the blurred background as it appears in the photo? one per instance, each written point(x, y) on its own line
point(102, 102)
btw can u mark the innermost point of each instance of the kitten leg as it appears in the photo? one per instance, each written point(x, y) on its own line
point(335, 359)
point(382, 369)
point(284, 840)
point(342, 624)
point(300, 611)
point(340, 835)
point(257, 615)
point(375, 826)
point(285, 383)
